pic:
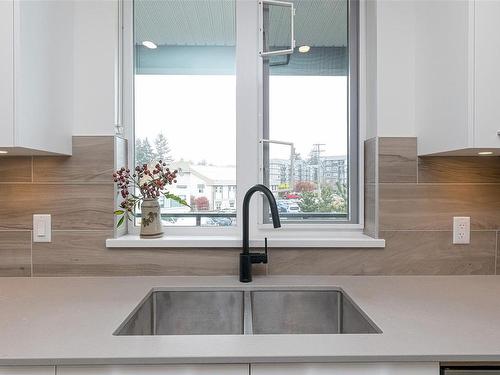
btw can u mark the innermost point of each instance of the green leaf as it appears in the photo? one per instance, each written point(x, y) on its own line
point(119, 212)
point(120, 222)
point(176, 199)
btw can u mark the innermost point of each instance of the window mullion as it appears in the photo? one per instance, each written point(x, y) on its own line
point(248, 118)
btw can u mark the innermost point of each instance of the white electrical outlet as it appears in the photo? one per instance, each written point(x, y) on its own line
point(461, 230)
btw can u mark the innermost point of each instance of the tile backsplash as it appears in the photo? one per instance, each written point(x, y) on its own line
point(409, 201)
point(417, 199)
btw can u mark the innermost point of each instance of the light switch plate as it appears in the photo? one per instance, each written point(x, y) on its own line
point(461, 230)
point(42, 228)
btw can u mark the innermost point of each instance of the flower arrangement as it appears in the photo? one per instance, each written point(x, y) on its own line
point(151, 184)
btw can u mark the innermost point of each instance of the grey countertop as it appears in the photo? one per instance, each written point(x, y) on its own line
point(71, 321)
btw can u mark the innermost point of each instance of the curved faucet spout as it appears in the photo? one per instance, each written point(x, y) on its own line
point(246, 257)
point(246, 208)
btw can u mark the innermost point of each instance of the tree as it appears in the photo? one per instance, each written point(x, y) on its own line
point(144, 153)
point(201, 203)
point(326, 199)
point(162, 149)
point(340, 198)
point(308, 202)
point(303, 186)
point(341, 190)
point(149, 154)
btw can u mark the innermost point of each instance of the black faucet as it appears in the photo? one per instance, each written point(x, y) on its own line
point(246, 257)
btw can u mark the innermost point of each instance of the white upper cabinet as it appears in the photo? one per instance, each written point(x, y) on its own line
point(487, 74)
point(6, 73)
point(457, 52)
point(36, 65)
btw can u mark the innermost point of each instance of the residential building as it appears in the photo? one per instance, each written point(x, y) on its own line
point(216, 183)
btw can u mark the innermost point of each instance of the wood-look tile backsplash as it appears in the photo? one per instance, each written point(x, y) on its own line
point(409, 201)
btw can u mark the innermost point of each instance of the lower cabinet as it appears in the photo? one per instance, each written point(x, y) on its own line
point(27, 370)
point(155, 370)
point(400, 368)
point(346, 369)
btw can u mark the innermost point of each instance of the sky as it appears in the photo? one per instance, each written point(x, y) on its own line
point(197, 114)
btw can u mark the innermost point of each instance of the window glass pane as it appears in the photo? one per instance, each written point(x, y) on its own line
point(185, 106)
point(307, 110)
point(277, 27)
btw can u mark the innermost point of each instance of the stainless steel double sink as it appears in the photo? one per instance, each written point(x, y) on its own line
point(238, 312)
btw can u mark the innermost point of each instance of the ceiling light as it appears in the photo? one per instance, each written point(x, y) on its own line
point(485, 153)
point(304, 49)
point(4, 152)
point(149, 44)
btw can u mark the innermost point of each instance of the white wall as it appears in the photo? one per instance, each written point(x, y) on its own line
point(95, 48)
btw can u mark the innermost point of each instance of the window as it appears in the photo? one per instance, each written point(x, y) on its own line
point(185, 97)
point(223, 94)
point(307, 127)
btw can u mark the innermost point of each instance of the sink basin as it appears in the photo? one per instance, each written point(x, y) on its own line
point(237, 312)
point(307, 312)
point(187, 313)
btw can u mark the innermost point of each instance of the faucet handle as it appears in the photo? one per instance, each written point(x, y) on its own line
point(258, 257)
point(265, 250)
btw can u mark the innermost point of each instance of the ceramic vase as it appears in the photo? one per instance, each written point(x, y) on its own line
point(151, 219)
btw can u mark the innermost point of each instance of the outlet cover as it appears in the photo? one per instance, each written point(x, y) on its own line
point(461, 230)
point(42, 228)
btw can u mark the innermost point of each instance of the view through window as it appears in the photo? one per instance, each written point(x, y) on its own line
point(306, 123)
point(185, 108)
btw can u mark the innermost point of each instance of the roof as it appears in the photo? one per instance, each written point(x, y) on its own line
point(318, 23)
point(211, 174)
point(216, 174)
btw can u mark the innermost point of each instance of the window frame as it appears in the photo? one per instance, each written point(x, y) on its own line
point(353, 127)
point(249, 126)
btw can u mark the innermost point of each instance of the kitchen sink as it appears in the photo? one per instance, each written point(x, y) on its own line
point(237, 312)
point(307, 312)
point(187, 313)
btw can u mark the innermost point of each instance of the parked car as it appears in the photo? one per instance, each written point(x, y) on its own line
point(223, 221)
point(293, 208)
point(216, 222)
point(282, 207)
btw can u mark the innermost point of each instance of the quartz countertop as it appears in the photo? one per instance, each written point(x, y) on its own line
point(423, 318)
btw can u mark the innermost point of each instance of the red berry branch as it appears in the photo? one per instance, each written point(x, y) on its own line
point(151, 183)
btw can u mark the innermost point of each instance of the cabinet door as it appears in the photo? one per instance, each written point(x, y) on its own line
point(154, 370)
point(441, 76)
point(487, 74)
point(6, 73)
point(347, 369)
point(27, 370)
point(43, 104)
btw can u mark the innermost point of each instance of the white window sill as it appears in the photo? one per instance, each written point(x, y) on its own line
point(351, 241)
